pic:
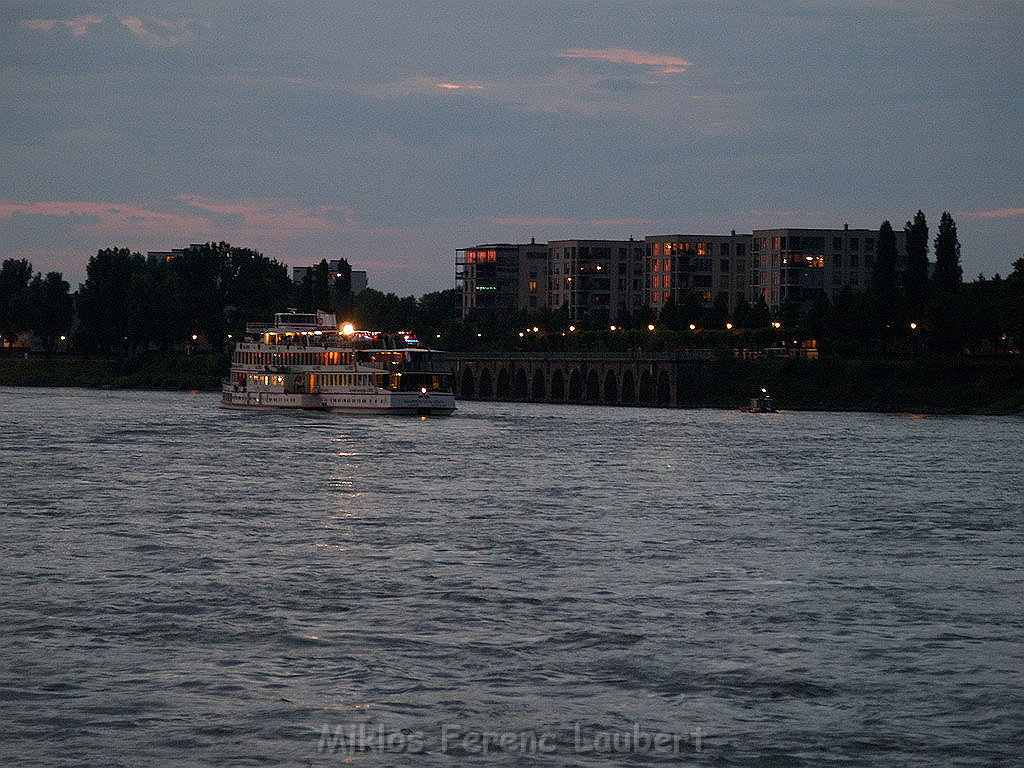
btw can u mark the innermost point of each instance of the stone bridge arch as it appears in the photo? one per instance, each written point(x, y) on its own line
point(628, 393)
point(575, 386)
point(538, 387)
point(558, 386)
point(663, 396)
point(467, 388)
point(593, 394)
point(486, 385)
point(503, 389)
point(520, 387)
point(611, 388)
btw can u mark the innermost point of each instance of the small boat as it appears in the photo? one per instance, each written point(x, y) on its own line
point(760, 404)
point(308, 361)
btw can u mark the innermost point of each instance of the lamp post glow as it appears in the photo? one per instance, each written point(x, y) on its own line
point(650, 327)
point(728, 326)
point(693, 327)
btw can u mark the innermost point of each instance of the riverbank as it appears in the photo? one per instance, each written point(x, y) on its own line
point(920, 385)
point(149, 371)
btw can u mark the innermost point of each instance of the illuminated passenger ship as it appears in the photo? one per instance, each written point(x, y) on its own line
point(306, 361)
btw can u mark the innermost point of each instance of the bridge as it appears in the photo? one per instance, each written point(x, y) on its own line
point(598, 378)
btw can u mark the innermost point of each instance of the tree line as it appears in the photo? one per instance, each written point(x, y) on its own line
point(131, 303)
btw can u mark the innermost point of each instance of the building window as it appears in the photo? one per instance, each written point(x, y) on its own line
point(854, 243)
point(854, 261)
point(723, 249)
point(533, 286)
point(837, 260)
point(837, 243)
point(723, 265)
point(869, 243)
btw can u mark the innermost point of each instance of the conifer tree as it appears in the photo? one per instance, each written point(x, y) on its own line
point(915, 279)
point(885, 299)
point(948, 272)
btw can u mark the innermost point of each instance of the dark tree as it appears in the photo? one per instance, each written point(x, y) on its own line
point(760, 316)
point(789, 313)
point(103, 300)
point(440, 311)
point(717, 314)
point(948, 272)
point(15, 275)
point(203, 277)
point(741, 314)
point(818, 316)
point(52, 309)
point(342, 284)
point(884, 291)
point(257, 287)
point(915, 279)
point(671, 315)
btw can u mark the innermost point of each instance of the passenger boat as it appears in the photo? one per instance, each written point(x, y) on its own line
point(305, 360)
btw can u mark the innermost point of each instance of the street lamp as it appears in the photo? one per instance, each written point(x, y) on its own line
point(913, 326)
point(693, 327)
point(650, 327)
point(728, 326)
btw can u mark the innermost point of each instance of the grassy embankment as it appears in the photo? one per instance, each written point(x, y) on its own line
point(149, 371)
point(925, 385)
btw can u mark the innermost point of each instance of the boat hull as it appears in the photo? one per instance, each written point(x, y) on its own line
point(412, 404)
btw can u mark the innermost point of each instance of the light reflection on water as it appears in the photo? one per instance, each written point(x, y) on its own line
point(188, 584)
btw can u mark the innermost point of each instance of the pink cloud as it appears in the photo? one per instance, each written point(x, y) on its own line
point(79, 25)
point(668, 65)
point(273, 216)
point(166, 32)
point(108, 219)
point(999, 213)
point(154, 31)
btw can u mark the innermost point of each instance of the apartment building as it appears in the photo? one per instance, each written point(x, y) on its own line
point(596, 278)
point(495, 277)
point(792, 264)
point(613, 278)
point(709, 265)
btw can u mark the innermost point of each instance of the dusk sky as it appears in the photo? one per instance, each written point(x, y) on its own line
point(393, 133)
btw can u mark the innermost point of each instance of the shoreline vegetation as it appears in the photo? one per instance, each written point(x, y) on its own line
point(927, 385)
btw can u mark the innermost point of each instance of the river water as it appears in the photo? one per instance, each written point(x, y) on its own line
point(513, 585)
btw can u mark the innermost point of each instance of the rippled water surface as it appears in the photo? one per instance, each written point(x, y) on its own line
point(188, 585)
